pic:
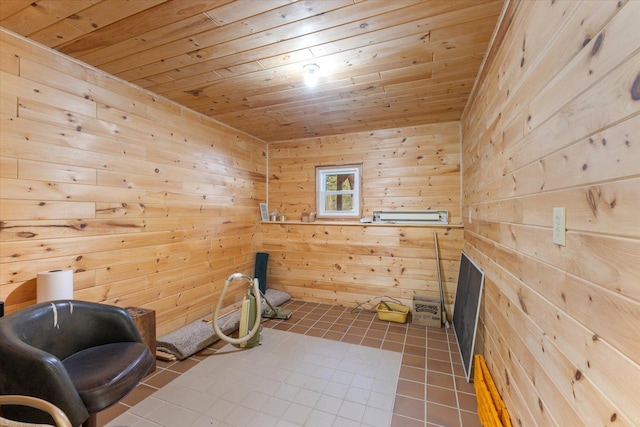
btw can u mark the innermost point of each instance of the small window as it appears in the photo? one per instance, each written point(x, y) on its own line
point(338, 191)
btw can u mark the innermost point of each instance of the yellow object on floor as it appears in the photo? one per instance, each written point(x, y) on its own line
point(491, 409)
point(392, 312)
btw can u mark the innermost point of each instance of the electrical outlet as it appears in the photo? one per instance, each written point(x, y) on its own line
point(470, 210)
point(559, 226)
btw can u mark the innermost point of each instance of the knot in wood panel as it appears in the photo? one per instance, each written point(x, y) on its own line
point(523, 303)
point(597, 44)
point(591, 201)
point(635, 88)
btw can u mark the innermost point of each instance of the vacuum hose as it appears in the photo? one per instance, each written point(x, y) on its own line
point(256, 325)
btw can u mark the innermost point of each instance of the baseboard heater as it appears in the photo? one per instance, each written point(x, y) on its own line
point(411, 217)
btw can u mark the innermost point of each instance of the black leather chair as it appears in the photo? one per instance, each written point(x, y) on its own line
point(82, 357)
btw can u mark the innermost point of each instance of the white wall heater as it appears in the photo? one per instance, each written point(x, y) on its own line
point(411, 217)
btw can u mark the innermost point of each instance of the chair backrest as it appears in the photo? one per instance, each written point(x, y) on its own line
point(63, 328)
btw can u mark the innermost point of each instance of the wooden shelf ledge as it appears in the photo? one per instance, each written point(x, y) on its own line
point(363, 224)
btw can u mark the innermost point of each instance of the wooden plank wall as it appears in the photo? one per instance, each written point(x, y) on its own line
point(555, 122)
point(150, 204)
point(404, 169)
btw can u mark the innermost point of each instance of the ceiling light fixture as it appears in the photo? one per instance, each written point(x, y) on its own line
point(311, 72)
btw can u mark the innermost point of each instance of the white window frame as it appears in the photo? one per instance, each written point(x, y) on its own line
point(322, 192)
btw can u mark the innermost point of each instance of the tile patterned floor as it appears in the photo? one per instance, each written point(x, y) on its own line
point(290, 380)
point(430, 391)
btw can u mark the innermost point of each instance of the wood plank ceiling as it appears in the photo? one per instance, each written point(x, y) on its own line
point(383, 63)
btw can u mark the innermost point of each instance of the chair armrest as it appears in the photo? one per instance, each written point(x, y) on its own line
point(56, 413)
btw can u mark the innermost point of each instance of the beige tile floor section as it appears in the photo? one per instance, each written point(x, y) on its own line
point(430, 388)
point(290, 380)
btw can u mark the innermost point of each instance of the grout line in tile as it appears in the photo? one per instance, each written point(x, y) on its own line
point(455, 386)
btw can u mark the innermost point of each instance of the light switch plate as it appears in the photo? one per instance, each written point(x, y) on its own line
point(559, 226)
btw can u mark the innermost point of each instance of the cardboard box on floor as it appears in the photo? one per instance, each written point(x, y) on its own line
point(426, 311)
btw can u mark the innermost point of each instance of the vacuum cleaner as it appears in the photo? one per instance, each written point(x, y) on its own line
point(250, 313)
